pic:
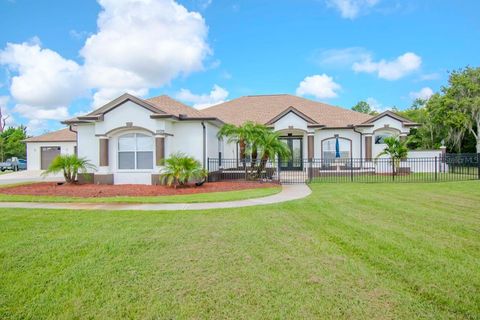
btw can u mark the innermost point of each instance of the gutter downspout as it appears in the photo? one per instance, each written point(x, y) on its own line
point(361, 146)
point(76, 139)
point(204, 143)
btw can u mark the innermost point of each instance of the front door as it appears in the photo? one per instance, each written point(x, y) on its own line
point(295, 161)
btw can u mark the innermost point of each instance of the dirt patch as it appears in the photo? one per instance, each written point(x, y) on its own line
point(92, 190)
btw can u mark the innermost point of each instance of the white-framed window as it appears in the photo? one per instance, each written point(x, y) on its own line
point(381, 135)
point(329, 148)
point(135, 152)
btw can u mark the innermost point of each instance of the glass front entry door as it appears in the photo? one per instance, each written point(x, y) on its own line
point(295, 161)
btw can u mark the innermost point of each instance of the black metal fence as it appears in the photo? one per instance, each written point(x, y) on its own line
point(451, 167)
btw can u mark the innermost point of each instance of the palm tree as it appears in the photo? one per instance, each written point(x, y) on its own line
point(270, 145)
point(70, 165)
point(255, 139)
point(245, 135)
point(396, 149)
point(180, 169)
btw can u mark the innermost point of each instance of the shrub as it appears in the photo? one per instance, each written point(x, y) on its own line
point(180, 169)
point(70, 165)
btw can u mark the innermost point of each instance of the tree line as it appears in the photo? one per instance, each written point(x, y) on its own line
point(450, 116)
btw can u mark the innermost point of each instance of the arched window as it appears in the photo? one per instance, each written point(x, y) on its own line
point(135, 152)
point(329, 148)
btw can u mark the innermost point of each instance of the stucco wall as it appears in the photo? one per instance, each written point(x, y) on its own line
point(290, 119)
point(34, 153)
point(128, 112)
point(88, 143)
point(212, 141)
point(188, 138)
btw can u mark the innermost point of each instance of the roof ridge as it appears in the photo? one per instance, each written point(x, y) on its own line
point(266, 95)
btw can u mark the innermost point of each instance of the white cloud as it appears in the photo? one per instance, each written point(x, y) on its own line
point(37, 126)
point(142, 44)
point(350, 9)
point(319, 86)
point(376, 105)
point(204, 4)
point(44, 78)
point(424, 94)
point(341, 57)
point(390, 70)
point(202, 101)
point(139, 44)
point(105, 95)
point(31, 112)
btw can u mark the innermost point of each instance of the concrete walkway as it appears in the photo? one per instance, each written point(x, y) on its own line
point(288, 193)
point(28, 176)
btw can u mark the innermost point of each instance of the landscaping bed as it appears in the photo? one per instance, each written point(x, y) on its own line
point(94, 191)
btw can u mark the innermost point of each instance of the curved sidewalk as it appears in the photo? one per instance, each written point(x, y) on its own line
point(288, 193)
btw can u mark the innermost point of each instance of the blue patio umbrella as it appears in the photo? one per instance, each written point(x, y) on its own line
point(337, 148)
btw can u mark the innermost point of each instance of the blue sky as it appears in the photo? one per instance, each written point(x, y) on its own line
point(58, 59)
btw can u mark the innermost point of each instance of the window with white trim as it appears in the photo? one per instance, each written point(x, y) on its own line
point(329, 147)
point(135, 152)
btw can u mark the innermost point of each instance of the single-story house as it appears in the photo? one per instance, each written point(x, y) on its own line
point(128, 138)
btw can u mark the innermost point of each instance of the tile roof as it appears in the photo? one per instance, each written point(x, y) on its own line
point(263, 108)
point(63, 135)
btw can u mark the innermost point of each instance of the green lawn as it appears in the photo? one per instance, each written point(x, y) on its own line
point(188, 198)
point(413, 177)
point(356, 251)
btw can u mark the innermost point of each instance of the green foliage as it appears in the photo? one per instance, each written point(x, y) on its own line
point(452, 116)
point(462, 96)
point(180, 169)
point(364, 107)
point(70, 165)
point(256, 141)
point(396, 149)
point(11, 143)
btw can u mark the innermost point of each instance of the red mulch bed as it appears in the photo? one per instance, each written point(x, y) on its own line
point(92, 190)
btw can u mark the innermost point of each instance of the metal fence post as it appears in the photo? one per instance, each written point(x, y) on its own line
point(393, 169)
point(478, 165)
point(351, 168)
point(208, 168)
point(278, 170)
point(436, 169)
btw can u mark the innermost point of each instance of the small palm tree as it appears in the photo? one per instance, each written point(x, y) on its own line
point(180, 168)
point(270, 145)
point(396, 149)
point(70, 165)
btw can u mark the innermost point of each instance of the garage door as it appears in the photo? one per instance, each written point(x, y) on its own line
point(47, 155)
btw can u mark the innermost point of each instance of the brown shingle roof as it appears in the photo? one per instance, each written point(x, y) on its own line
point(263, 108)
point(63, 135)
point(162, 105)
point(174, 107)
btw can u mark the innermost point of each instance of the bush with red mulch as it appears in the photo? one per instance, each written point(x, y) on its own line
point(93, 190)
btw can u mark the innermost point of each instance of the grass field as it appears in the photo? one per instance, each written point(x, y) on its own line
point(357, 251)
point(188, 198)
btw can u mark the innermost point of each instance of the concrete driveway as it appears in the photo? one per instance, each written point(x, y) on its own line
point(28, 176)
